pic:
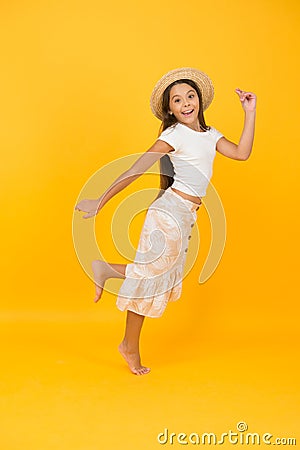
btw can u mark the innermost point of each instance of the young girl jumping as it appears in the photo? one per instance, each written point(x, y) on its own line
point(185, 148)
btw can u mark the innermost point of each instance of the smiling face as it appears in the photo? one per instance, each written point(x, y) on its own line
point(184, 104)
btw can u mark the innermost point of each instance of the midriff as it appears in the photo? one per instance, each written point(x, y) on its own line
point(192, 198)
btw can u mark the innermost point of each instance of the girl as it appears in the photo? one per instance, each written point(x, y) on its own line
point(186, 148)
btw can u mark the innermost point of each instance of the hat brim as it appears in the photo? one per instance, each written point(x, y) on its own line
point(201, 79)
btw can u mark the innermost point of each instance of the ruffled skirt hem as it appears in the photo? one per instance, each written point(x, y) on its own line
point(149, 296)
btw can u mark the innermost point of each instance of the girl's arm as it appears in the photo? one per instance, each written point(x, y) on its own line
point(93, 206)
point(241, 151)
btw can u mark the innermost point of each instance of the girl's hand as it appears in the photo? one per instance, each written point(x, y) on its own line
point(248, 99)
point(89, 206)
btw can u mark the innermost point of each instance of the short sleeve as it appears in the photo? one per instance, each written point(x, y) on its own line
point(171, 137)
point(216, 134)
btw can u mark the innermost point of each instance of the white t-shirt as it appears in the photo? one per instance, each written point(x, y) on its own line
point(192, 158)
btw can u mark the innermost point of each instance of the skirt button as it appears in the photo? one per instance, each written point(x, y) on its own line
point(186, 250)
point(189, 237)
point(192, 225)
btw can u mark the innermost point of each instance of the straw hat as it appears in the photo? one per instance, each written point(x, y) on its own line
point(200, 78)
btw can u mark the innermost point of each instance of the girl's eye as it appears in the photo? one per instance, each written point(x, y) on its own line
point(191, 95)
point(177, 100)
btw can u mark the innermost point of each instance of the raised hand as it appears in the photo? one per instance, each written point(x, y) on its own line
point(248, 99)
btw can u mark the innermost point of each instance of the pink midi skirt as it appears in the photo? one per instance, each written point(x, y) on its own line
point(155, 276)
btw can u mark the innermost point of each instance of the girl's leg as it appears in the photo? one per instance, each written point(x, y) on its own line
point(129, 347)
point(102, 271)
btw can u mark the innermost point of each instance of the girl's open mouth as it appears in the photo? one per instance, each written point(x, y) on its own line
point(188, 113)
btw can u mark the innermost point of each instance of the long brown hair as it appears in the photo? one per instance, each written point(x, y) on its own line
point(166, 166)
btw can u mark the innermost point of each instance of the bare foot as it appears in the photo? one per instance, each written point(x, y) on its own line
point(101, 273)
point(133, 360)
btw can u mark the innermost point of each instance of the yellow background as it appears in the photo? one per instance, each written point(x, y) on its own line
point(76, 78)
